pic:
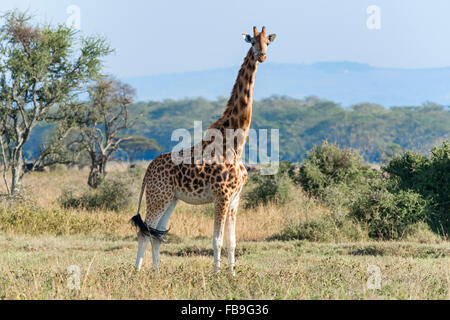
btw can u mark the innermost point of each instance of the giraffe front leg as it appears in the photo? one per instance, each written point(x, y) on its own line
point(220, 214)
point(231, 238)
point(231, 231)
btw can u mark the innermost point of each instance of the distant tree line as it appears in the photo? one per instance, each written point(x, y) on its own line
point(377, 132)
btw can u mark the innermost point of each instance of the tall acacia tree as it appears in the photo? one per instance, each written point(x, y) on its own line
point(43, 69)
point(102, 122)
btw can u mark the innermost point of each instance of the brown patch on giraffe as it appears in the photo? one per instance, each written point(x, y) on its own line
point(217, 170)
point(186, 180)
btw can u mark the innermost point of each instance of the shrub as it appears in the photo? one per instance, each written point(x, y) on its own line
point(111, 194)
point(328, 165)
point(387, 206)
point(339, 197)
point(335, 176)
point(69, 198)
point(388, 214)
point(430, 177)
point(276, 188)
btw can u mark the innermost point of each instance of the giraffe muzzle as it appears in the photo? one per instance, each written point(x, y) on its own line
point(262, 58)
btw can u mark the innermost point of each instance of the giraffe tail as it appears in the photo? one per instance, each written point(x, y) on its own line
point(141, 225)
point(137, 220)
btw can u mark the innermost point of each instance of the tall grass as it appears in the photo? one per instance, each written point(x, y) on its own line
point(43, 214)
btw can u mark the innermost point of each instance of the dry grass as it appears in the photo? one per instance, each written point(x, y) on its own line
point(37, 268)
point(188, 221)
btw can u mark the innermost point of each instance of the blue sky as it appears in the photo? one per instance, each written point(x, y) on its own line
point(157, 37)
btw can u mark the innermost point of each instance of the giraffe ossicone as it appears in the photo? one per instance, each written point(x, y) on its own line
point(218, 177)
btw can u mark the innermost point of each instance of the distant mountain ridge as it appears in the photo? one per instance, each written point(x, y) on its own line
point(344, 82)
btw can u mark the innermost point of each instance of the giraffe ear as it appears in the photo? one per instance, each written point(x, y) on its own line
point(272, 37)
point(248, 38)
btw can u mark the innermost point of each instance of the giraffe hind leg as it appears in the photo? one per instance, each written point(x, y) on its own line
point(152, 230)
point(162, 224)
point(159, 197)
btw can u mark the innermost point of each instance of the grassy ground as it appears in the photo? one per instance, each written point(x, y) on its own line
point(36, 268)
point(37, 246)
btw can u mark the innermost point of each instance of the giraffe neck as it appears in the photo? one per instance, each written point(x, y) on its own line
point(238, 113)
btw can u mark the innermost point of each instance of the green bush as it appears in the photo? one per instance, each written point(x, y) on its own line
point(335, 176)
point(388, 213)
point(386, 205)
point(69, 198)
point(111, 194)
point(276, 188)
point(430, 177)
point(339, 197)
point(328, 165)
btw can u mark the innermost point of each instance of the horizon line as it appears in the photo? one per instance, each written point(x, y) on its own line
point(285, 63)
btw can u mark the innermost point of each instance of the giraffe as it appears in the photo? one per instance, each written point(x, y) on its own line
point(217, 178)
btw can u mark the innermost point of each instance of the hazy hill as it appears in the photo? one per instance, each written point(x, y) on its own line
point(344, 82)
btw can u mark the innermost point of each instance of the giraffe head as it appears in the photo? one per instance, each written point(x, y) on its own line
point(259, 42)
